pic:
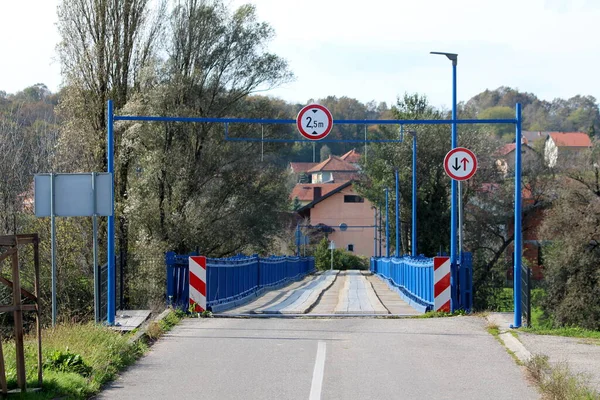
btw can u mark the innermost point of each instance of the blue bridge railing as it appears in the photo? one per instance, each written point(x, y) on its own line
point(412, 277)
point(232, 280)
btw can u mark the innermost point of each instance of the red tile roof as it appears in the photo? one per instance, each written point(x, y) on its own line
point(299, 167)
point(352, 156)
point(507, 148)
point(305, 191)
point(571, 139)
point(504, 150)
point(333, 163)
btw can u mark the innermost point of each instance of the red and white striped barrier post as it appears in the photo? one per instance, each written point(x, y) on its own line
point(198, 283)
point(441, 284)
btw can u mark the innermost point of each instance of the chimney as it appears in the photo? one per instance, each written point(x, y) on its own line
point(316, 193)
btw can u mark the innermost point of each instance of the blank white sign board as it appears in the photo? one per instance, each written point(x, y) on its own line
point(73, 195)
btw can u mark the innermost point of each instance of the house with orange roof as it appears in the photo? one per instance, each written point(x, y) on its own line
point(308, 192)
point(299, 171)
point(505, 156)
point(334, 169)
point(330, 200)
point(564, 148)
point(343, 205)
point(300, 167)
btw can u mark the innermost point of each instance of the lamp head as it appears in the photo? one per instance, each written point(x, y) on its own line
point(451, 56)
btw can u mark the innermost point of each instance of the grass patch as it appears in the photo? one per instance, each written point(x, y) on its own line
point(566, 331)
point(78, 359)
point(493, 330)
point(441, 314)
point(559, 382)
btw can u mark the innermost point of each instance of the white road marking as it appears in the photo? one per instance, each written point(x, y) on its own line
point(317, 379)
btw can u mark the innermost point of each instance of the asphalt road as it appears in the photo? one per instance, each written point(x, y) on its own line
point(442, 358)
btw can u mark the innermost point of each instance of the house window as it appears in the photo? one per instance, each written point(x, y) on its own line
point(350, 198)
point(350, 247)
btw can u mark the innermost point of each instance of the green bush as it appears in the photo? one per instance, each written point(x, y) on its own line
point(502, 300)
point(323, 256)
point(342, 259)
point(352, 261)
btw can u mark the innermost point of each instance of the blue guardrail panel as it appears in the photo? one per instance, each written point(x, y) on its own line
point(411, 276)
point(231, 280)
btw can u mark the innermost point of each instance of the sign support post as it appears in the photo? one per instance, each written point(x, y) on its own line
point(460, 223)
point(331, 247)
point(53, 248)
point(95, 253)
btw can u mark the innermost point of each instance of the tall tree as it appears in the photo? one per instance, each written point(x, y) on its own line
point(194, 190)
point(104, 46)
point(28, 136)
point(572, 259)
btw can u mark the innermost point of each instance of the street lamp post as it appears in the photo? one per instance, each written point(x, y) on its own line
point(453, 210)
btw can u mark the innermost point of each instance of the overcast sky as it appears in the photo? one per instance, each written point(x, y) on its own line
point(378, 49)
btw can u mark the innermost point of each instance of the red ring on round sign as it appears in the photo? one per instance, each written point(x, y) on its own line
point(447, 167)
point(308, 135)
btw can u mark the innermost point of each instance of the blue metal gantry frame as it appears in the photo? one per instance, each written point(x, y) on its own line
point(111, 118)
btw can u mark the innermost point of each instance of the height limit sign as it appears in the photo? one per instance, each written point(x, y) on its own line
point(314, 122)
point(460, 164)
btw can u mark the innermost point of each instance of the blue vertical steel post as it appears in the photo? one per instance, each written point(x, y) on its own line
point(397, 215)
point(375, 234)
point(387, 224)
point(517, 224)
point(110, 300)
point(380, 232)
point(297, 237)
point(453, 208)
point(414, 197)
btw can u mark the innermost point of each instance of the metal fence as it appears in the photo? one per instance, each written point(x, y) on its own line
point(413, 278)
point(102, 291)
point(526, 294)
point(234, 279)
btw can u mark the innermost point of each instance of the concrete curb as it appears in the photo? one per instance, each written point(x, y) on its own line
point(512, 343)
point(142, 332)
